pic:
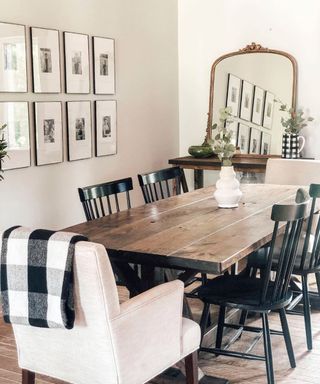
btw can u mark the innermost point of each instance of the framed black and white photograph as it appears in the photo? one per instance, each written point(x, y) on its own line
point(106, 127)
point(48, 127)
point(243, 138)
point(17, 134)
point(45, 60)
point(79, 130)
point(77, 70)
point(255, 141)
point(246, 101)
point(233, 94)
point(103, 64)
point(268, 110)
point(258, 105)
point(13, 64)
point(233, 127)
point(265, 143)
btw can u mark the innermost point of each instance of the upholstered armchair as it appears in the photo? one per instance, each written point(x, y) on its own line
point(111, 343)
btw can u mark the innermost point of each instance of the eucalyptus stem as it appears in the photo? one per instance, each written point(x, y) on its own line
point(222, 145)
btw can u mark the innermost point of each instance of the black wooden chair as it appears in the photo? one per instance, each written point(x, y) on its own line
point(307, 262)
point(163, 183)
point(96, 199)
point(102, 199)
point(259, 295)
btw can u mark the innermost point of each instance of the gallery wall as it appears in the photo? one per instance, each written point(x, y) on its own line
point(211, 28)
point(146, 56)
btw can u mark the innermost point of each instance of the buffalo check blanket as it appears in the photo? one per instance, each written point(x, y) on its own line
point(37, 277)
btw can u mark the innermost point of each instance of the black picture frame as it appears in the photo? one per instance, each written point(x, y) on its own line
point(105, 146)
point(19, 151)
point(41, 146)
point(104, 83)
point(73, 65)
point(8, 81)
point(81, 152)
point(48, 89)
point(246, 100)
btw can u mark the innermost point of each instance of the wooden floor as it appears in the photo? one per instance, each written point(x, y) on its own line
point(236, 370)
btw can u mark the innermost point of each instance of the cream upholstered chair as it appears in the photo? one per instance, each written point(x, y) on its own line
point(111, 343)
point(292, 172)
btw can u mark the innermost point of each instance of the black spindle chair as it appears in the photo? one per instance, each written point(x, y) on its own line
point(307, 262)
point(163, 183)
point(97, 199)
point(260, 295)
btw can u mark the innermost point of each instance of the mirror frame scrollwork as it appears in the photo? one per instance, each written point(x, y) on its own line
point(251, 48)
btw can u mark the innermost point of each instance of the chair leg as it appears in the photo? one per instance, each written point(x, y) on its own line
point(192, 368)
point(287, 338)
point(221, 320)
point(242, 320)
point(204, 319)
point(306, 311)
point(28, 377)
point(318, 281)
point(267, 348)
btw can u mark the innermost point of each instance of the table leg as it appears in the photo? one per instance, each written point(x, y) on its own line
point(128, 276)
point(198, 178)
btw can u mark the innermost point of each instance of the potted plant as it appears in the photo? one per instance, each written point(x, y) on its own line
point(293, 124)
point(227, 191)
point(3, 147)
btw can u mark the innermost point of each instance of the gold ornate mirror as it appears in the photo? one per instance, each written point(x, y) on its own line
point(252, 81)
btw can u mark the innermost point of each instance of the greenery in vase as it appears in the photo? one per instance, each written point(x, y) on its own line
point(3, 147)
point(295, 121)
point(222, 145)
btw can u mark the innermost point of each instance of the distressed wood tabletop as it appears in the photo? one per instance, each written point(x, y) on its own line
point(189, 231)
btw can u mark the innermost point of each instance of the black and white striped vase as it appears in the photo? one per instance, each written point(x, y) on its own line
point(291, 147)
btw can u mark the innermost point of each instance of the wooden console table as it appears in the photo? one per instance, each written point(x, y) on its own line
point(241, 163)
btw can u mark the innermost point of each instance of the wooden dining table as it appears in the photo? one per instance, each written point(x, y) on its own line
point(188, 232)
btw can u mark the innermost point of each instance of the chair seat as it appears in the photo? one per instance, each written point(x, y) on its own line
point(241, 292)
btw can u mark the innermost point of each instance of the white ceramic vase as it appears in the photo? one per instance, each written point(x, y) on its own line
point(227, 191)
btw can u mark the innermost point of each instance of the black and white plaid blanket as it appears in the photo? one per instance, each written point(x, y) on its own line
point(37, 277)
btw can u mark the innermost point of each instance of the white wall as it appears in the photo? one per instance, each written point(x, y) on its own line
point(211, 28)
point(145, 33)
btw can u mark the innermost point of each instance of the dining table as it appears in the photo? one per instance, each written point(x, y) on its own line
point(188, 233)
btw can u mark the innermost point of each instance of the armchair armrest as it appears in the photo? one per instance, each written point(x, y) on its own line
point(148, 297)
point(147, 332)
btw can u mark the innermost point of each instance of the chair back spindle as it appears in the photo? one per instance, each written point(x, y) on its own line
point(161, 184)
point(96, 199)
point(276, 289)
point(310, 259)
